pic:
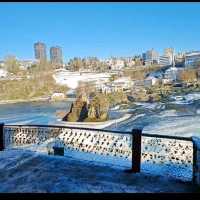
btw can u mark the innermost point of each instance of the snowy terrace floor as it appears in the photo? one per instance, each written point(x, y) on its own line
point(29, 171)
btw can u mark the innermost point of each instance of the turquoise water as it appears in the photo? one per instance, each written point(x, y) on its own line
point(175, 117)
point(38, 112)
point(32, 112)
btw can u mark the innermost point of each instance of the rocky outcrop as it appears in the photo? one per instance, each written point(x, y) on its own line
point(154, 97)
point(143, 95)
point(117, 98)
point(98, 109)
point(78, 111)
point(84, 110)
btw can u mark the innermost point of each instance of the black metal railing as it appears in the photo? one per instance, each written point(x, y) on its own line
point(135, 136)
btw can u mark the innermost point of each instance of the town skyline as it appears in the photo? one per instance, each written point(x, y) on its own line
point(96, 29)
point(47, 50)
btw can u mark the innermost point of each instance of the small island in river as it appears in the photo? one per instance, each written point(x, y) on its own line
point(88, 110)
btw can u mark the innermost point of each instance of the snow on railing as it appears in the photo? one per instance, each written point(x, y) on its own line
point(167, 151)
point(102, 142)
point(155, 149)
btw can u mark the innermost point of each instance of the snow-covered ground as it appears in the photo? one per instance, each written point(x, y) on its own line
point(175, 125)
point(99, 125)
point(151, 106)
point(72, 79)
point(33, 171)
point(186, 99)
point(3, 73)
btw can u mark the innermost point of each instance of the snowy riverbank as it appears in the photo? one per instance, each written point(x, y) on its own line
point(24, 100)
point(99, 125)
point(169, 118)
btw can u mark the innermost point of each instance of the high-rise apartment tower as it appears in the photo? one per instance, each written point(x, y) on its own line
point(40, 51)
point(56, 56)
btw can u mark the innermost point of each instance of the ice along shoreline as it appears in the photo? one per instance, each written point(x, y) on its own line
point(99, 125)
point(24, 100)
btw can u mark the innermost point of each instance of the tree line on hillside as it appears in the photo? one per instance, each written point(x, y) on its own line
point(91, 63)
point(36, 81)
point(12, 65)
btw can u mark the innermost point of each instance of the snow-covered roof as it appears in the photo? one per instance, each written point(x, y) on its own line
point(151, 78)
point(123, 79)
point(193, 53)
point(172, 69)
point(3, 73)
point(72, 79)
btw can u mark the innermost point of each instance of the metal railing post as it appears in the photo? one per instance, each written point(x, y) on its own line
point(196, 161)
point(1, 137)
point(136, 151)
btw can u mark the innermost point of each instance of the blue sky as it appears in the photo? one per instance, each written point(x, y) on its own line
point(98, 29)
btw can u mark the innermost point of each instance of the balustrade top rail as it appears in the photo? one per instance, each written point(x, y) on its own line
point(100, 130)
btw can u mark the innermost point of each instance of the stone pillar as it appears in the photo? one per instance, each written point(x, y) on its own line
point(196, 160)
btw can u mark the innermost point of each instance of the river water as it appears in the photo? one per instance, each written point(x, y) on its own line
point(32, 112)
point(39, 112)
point(180, 115)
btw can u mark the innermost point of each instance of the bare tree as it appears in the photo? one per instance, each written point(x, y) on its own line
point(188, 75)
point(11, 64)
